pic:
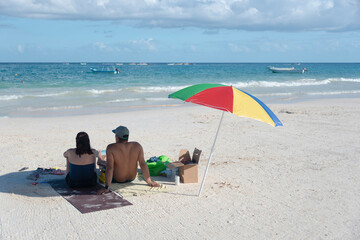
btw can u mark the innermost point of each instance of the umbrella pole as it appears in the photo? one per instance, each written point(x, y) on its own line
point(212, 149)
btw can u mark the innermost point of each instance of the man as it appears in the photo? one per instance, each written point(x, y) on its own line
point(122, 160)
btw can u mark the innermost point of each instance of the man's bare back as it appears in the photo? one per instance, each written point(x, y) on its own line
point(122, 160)
point(125, 157)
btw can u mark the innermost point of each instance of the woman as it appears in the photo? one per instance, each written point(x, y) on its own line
point(80, 163)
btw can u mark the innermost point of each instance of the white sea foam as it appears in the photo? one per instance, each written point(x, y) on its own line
point(137, 99)
point(274, 94)
point(310, 93)
point(98, 92)
point(50, 94)
point(15, 97)
point(32, 109)
point(270, 84)
point(124, 100)
point(349, 79)
point(334, 92)
point(156, 99)
point(296, 83)
point(157, 89)
point(10, 97)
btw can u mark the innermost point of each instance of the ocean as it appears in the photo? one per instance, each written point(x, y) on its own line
point(62, 89)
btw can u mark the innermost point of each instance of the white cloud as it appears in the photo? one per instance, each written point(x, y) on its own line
point(20, 48)
point(99, 45)
point(235, 48)
point(279, 46)
point(211, 32)
point(143, 44)
point(281, 15)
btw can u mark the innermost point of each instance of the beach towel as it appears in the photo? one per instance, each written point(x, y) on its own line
point(139, 187)
point(86, 200)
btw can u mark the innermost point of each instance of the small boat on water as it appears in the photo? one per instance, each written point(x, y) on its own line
point(287, 70)
point(106, 69)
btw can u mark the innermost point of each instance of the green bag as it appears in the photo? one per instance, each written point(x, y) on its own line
point(155, 168)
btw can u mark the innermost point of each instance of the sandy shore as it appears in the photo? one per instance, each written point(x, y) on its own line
point(300, 181)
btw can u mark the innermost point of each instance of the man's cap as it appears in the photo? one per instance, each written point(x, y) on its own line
point(122, 132)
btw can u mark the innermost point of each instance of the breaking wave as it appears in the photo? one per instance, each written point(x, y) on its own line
point(293, 83)
point(158, 89)
point(32, 109)
point(15, 97)
point(10, 97)
point(97, 92)
point(334, 92)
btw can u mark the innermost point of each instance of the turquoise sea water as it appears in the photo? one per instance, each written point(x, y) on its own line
point(57, 89)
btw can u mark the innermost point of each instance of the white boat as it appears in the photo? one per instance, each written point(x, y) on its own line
point(83, 63)
point(106, 69)
point(287, 70)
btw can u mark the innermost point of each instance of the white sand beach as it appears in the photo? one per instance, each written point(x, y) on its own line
point(299, 181)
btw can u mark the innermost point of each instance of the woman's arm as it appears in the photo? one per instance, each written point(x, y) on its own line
point(101, 160)
point(67, 166)
point(66, 155)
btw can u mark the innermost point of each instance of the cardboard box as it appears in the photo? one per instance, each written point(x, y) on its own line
point(188, 172)
point(196, 156)
point(184, 156)
point(187, 167)
point(173, 165)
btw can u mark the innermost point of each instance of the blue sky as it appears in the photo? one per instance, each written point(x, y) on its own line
point(180, 31)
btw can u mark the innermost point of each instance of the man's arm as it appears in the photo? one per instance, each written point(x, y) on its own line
point(108, 172)
point(145, 169)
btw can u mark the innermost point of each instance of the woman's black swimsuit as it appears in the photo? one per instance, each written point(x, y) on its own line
point(81, 175)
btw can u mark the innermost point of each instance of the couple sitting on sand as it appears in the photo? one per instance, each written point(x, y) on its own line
point(122, 158)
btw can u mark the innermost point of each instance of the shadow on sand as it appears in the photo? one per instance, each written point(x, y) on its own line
point(18, 183)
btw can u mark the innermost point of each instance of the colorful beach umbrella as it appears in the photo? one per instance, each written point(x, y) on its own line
point(227, 99)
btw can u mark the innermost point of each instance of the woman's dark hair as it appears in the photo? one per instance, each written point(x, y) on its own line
point(83, 144)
